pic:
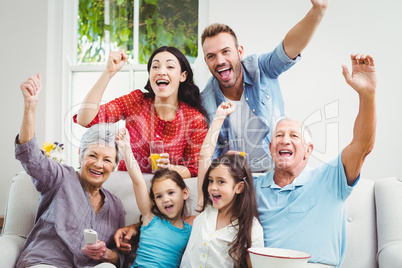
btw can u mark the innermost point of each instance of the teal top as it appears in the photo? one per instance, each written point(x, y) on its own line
point(161, 244)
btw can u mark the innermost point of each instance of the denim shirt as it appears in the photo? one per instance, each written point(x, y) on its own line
point(261, 91)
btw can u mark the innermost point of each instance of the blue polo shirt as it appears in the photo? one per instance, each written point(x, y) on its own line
point(308, 214)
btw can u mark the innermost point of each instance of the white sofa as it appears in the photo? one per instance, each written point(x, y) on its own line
point(374, 219)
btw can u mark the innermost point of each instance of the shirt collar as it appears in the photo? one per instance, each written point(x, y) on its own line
point(300, 180)
point(246, 78)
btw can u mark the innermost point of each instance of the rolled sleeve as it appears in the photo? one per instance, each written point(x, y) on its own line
point(280, 51)
point(276, 62)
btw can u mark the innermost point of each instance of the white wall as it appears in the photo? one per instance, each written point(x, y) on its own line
point(312, 85)
point(23, 28)
point(316, 82)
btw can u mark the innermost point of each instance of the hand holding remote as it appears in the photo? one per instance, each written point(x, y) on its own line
point(91, 236)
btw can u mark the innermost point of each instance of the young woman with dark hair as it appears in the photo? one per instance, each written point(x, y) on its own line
point(170, 111)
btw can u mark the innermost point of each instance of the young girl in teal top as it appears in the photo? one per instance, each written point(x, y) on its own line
point(163, 234)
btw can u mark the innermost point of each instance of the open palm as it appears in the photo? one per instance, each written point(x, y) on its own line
point(363, 77)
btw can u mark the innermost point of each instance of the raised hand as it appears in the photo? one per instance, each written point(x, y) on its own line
point(320, 3)
point(363, 78)
point(123, 140)
point(116, 61)
point(31, 89)
point(225, 109)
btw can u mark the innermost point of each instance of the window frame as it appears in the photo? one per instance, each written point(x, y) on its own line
point(61, 64)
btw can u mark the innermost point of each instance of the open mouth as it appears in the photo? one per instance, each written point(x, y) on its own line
point(169, 208)
point(162, 83)
point(225, 72)
point(216, 198)
point(285, 153)
point(98, 173)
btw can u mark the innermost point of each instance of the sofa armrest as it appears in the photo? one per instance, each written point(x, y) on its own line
point(10, 249)
point(388, 196)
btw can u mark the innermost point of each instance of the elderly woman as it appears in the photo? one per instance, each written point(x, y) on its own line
point(69, 201)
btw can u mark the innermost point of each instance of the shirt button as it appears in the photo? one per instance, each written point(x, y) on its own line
point(349, 219)
point(253, 110)
point(246, 99)
point(268, 96)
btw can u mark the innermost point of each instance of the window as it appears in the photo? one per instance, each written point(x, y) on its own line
point(139, 27)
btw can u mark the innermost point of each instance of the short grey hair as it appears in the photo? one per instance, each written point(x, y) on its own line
point(305, 130)
point(104, 134)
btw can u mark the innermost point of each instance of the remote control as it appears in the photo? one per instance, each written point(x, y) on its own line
point(91, 236)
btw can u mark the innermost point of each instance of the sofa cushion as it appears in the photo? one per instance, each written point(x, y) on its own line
point(361, 245)
point(21, 212)
point(389, 218)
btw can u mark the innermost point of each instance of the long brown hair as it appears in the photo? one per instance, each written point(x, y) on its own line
point(244, 205)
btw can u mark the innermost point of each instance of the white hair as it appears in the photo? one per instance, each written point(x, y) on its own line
point(104, 134)
point(305, 130)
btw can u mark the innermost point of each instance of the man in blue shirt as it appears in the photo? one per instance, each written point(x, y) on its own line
point(304, 209)
point(256, 77)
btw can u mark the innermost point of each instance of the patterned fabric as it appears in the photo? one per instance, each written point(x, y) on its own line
point(209, 247)
point(182, 137)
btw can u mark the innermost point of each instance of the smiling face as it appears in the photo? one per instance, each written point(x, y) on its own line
point(288, 150)
point(223, 59)
point(222, 189)
point(165, 76)
point(97, 163)
point(169, 198)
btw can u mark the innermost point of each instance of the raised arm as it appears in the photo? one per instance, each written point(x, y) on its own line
point(142, 197)
point(208, 147)
point(90, 106)
point(301, 34)
point(31, 90)
point(364, 80)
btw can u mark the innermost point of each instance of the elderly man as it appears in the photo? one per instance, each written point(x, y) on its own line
point(304, 209)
